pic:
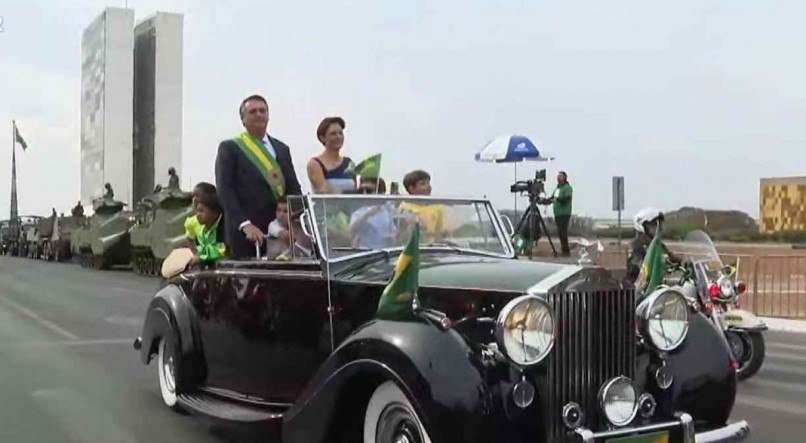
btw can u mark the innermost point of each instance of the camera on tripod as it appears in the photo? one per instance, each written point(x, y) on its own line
point(534, 187)
point(532, 226)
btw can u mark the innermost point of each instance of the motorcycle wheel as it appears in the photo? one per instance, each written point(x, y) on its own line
point(748, 349)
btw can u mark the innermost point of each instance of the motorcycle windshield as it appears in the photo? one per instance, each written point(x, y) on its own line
point(698, 248)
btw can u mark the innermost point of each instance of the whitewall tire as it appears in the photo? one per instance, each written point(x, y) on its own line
point(167, 370)
point(390, 418)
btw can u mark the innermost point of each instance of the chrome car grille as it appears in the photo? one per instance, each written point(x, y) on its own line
point(595, 341)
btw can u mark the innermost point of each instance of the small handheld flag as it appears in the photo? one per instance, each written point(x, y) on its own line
point(370, 167)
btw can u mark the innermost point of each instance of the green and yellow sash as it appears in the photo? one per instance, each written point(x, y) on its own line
point(265, 163)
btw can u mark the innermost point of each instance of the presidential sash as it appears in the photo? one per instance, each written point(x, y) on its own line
point(265, 163)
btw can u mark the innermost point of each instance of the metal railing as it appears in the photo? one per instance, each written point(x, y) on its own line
point(777, 286)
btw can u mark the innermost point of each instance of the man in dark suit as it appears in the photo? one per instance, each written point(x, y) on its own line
point(252, 171)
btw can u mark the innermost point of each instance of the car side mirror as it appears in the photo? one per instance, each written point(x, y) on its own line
point(509, 229)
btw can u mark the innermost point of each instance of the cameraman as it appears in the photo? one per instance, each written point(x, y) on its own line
point(561, 201)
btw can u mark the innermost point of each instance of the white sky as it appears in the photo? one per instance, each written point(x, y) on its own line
point(692, 102)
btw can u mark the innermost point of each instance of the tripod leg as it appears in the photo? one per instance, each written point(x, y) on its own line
point(548, 236)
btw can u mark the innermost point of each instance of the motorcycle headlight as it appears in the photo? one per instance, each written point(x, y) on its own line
point(618, 401)
point(525, 330)
point(664, 318)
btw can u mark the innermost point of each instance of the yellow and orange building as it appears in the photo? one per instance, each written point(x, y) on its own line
point(782, 204)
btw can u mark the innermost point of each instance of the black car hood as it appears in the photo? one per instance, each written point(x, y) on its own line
point(448, 270)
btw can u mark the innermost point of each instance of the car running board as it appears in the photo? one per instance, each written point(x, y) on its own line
point(216, 407)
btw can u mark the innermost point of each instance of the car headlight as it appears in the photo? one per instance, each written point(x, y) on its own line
point(525, 330)
point(618, 401)
point(664, 318)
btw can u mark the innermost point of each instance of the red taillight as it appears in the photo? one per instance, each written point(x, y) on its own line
point(714, 291)
point(741, 287)
point(734, 365)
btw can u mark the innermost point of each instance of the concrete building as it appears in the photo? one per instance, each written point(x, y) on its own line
point(157, 101)
point(106, 105)
point(782, 204)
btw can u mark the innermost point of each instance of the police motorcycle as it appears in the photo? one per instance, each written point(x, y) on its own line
point(714, 288)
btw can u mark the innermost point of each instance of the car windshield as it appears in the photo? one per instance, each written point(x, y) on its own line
point(348, 225)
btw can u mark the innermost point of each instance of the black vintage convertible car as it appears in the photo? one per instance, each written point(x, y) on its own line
point(496, 349)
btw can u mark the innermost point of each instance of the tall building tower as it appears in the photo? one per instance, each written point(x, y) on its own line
point(157, 101)
point(107, 79)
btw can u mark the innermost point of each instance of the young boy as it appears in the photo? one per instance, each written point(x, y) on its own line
point(432, 217)
point(209, 233)
point(278, 228)
point(192, 222)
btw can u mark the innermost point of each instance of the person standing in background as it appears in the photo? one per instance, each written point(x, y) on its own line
point(561, 200)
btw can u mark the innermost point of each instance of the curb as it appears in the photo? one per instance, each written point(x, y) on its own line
point(785, 324)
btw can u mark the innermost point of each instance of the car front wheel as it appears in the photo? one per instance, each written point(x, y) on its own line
point(167, 370)
point(390, 418)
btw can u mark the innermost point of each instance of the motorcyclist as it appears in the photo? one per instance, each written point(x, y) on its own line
point(647, 223)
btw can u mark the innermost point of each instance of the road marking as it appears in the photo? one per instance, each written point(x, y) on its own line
point(764, 383)
point(46, 344)
point(787, 346)
point(786, 356)
point(772, 405)
point(789, 369)
point(42, 321)
point(124, 320)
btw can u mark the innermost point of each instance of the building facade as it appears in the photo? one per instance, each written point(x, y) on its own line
point(106, 105)
point(157, 101)
point(782, 204)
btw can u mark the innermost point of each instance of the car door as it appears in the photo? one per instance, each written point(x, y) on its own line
point(264, 327)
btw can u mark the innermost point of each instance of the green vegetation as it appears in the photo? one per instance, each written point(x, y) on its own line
point(731, 226)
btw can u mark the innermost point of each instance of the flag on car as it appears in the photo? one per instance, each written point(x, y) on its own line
point(370, 167)
point(652, 270)
point(18, 137)
point(396, 299)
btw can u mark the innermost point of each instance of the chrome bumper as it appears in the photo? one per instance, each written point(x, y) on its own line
point(732, 432)
point(684, 425)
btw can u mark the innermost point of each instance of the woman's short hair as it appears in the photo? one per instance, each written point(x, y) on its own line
point(321, 130)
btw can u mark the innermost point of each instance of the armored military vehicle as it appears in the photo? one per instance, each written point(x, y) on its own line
point(103, 240)
point(5, 237)
point(159, 228)
point(55, 236)
point(28, 236)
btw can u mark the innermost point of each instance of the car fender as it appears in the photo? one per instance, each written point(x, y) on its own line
point(704, 382)
point(169, 310)
point(741, 319)
point(432, 367)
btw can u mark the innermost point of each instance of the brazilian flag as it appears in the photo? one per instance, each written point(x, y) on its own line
point(652, 270)
point(370, 167)
point(396, 300)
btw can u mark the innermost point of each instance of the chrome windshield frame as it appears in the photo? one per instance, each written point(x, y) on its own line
point(491, 212)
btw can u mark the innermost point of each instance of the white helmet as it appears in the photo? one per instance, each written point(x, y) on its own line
point(646, 215)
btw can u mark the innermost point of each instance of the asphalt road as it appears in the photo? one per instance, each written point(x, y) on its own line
point(68, 372)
